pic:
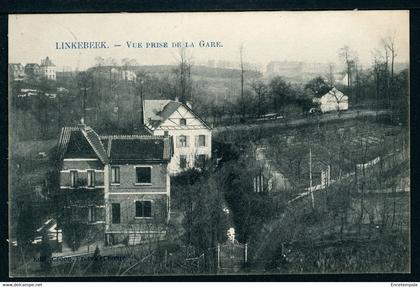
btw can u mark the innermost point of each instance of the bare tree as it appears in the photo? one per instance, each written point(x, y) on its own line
point(390, 51)
point(350, 57)
point(183, 76)
point(330, 75)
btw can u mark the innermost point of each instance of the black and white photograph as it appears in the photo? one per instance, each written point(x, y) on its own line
point(209, 143)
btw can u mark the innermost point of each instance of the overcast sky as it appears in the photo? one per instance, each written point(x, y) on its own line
point(265, 36)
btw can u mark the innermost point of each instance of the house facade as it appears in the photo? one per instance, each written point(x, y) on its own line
point(16, 71)
point(333, 100)
point(138, 193)
point(48, 69)
point(116, 186)
point(191, 136)
point(32, 70)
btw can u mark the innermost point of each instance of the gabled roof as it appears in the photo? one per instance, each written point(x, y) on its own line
point(137, 148)
point(95, 142)
point(80, 142)
point(152, 108)
point(157, 111)
point(32, 65)
point(16, 66)
point(332, 91)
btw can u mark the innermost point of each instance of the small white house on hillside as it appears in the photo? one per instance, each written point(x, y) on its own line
point(190, 134)
point(333, 100)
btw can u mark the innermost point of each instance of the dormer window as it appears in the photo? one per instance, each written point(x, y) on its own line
point(183, 122)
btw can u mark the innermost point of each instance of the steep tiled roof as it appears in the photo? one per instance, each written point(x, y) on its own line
point(137, 148)
point(80, 142)
point(332, 91)
point(64, 139)
point(157, 111)
point(95, 142)
point(169, 109)
point(152, 108)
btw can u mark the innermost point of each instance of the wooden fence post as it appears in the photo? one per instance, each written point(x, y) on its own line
point(218, 256)
point(246, 252)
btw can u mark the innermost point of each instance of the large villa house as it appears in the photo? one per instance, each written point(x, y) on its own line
point(190, 134)
point(117, 185)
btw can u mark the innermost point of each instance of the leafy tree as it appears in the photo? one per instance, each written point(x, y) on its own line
point(25, 232)
point(74, 232)
point(260, 90)
point(279, 91)
point(250, 209)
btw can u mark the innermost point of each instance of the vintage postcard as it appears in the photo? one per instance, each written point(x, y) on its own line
point(209, 143)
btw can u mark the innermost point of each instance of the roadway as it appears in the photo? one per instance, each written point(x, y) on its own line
point(293, 122)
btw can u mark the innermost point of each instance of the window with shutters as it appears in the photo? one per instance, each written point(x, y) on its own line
point(143, 209)
point(91, 178)
point(73, 178)
point(258, 183)
point(115, 175)
point(182, 141)
point(262, 184)
point(92, 214)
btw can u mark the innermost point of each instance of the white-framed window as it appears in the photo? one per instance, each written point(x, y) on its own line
point(91, 178)
point(143, 209)
point(201, 140)
point(183, 141)
point(115, 174)
point(259, 183)
point(182, 122)
point(143, 174)
point(73, 178)
point(92, 214)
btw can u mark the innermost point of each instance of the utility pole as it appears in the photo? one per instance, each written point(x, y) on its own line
point(242, 81)
point(84, 102)
point(141, 104)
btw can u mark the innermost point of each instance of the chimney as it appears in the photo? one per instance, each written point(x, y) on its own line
point(189, 104)
point(81, 125)
point(176, 99)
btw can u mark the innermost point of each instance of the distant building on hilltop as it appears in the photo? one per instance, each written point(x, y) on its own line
point(32, 70)
point(296, 71)
point(16, 71)
point(48, 69)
